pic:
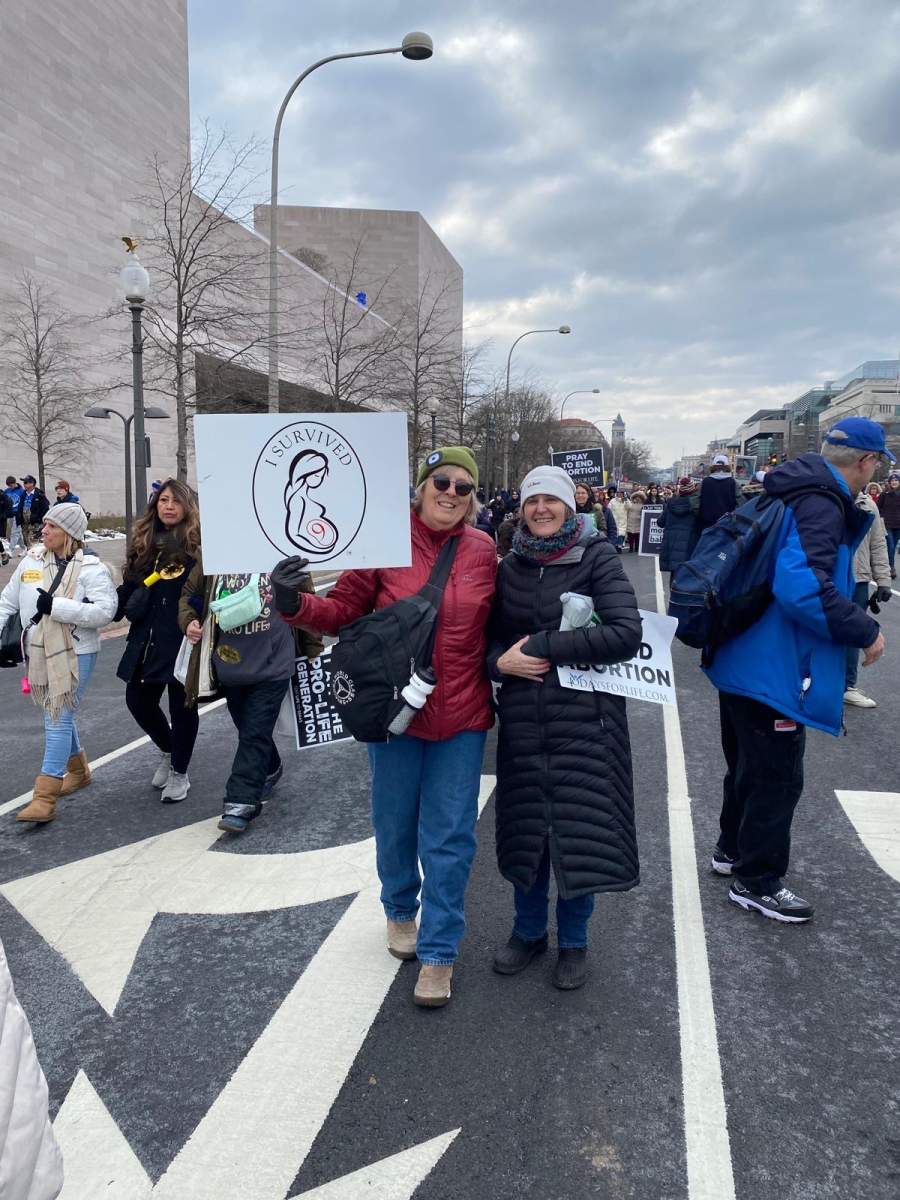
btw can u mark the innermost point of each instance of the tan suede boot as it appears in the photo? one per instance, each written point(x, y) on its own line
point(433, 986)
point(43, 800)
point(78, 774)
point(401, 939)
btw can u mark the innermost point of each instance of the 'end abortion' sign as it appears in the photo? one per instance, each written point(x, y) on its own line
point(585, 466)
point(648, 676)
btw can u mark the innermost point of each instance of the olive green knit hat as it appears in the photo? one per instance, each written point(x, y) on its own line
point(449, 456)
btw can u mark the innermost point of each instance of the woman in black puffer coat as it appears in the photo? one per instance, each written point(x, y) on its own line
point(678, 520)
point(164, 551)
point(564, 788)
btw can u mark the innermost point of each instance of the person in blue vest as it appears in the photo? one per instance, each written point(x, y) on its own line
point(786, 672)
point(720, 493)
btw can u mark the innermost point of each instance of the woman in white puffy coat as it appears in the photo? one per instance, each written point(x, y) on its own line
point(70, 592)
point(31, 1166)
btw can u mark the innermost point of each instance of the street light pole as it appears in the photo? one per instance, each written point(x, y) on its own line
point(415, 46)
point(137, 374)
point(579, 392)
point(433, 406)
point(103, 414)
point(515, 442)
point(528, 333)
point(135, 283)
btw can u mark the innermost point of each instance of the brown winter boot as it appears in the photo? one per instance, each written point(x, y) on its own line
point(43, 800)
point(401, 939)
point(78, 774)
point(433, 986)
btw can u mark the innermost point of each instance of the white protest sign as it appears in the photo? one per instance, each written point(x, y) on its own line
point(332, 487)
point(317, 719)
point(647, 676)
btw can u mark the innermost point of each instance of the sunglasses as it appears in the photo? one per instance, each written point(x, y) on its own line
point(461, 486)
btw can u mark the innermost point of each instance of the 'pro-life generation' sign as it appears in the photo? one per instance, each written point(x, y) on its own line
point(317, 719)
point(647, 676)
point(586, 466)
point(332, 487)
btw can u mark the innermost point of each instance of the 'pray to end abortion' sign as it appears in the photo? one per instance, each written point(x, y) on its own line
point(332, 487)
point(647, 676)
point(584, 466)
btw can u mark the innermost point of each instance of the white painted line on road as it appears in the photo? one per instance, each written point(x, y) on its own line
point(103, 760)
point(709, 1167)
point(876, 818)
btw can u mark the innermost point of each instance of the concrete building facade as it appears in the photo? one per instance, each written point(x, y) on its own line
point(90, 90)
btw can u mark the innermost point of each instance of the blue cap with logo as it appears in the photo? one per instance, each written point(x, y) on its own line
point(861, 434)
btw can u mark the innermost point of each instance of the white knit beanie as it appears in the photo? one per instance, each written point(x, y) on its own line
point(549, 481)
point(70, 517)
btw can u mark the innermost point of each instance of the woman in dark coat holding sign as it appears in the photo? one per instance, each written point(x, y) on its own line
point(564, 788)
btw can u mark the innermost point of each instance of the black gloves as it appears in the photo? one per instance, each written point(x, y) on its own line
point(286, 580)
point(881, 596)
point(44, 603)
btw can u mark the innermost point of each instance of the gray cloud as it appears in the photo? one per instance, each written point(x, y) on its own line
point(705, 192)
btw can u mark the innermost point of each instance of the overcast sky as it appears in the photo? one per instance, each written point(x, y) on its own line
point(705, 190)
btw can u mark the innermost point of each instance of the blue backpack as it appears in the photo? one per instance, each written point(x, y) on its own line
point(724, 588)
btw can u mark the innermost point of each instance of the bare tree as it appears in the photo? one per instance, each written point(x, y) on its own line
point(349, 346)
point(209, 273)
point(530, 412)
point(635, 458)
point(42, 376)
point(427, 360)
point(467, 388)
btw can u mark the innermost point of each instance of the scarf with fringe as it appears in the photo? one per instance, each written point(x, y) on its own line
point(52, 662)
point(545, 549)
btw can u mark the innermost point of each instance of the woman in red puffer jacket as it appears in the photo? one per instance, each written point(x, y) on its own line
point(425, 784)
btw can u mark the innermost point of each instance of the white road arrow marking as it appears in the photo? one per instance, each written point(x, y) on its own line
point(253, 1140)
point(394, 1178)
point(876, 818)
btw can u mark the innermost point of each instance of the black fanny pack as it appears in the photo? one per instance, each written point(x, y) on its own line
point(376, 655)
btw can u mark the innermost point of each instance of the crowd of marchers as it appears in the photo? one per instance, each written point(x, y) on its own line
point(565, 805)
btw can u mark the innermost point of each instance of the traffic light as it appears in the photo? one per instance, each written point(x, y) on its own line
point(773, 460)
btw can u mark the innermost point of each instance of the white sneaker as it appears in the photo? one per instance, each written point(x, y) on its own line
point(855, 696)
point(177, 788)
point(163, 771)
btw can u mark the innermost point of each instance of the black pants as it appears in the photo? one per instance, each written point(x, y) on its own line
point(762, 785)
point(179, 738)
point(254, 710)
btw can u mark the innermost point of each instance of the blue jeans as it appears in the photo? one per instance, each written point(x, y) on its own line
point(892, 537)
point(860, 597)
point(532, 909)
point(61, 740)
point(424, 807)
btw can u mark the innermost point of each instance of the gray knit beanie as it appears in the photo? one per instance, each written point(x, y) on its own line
point(70, 517)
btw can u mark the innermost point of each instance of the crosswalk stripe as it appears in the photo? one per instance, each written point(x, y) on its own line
point(709, 1167)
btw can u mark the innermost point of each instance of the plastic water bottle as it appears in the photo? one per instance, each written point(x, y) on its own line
point(26, 686)
point(578, 611)
point(415, 694)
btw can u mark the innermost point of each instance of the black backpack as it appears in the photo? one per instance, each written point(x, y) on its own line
point(376, 655)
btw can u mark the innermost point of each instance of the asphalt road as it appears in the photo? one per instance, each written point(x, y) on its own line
point(217, 1017)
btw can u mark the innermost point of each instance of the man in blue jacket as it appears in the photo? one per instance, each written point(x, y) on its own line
point(787, 670)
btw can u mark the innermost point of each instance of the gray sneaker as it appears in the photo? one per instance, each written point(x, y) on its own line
point(177, 788)
point(858, 699)
point(161, 778)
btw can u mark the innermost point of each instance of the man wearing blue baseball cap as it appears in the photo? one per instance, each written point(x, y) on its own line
point(786, 672)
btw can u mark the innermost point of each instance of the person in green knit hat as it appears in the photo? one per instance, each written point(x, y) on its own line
point(425, 782)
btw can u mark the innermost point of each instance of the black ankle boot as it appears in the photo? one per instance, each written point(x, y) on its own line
point(517, 954)
point(570, 971)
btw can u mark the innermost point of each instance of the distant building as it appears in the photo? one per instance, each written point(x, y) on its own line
point(870, 390)
point(576, 433)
